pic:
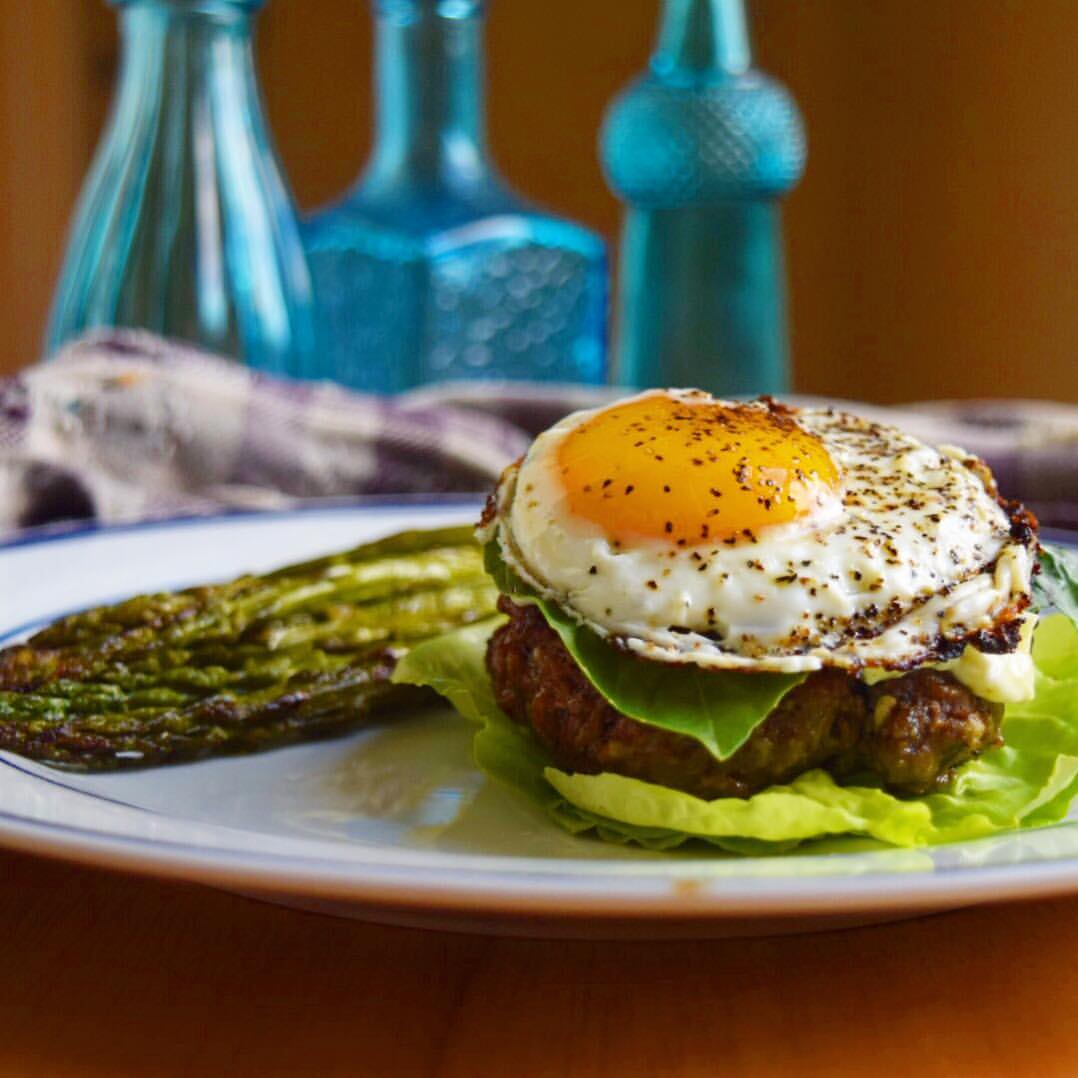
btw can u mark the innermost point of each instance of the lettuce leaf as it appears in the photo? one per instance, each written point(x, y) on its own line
point(1029, 782)
point(719, 709)
point(1056, 585)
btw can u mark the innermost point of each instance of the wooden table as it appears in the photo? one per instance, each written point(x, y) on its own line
point(109, 975)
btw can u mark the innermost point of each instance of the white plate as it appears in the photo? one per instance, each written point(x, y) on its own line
point(394, 823)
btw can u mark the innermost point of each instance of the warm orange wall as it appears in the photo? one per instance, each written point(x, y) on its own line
point(933, 246)
point(934, 242)
point(48, 116)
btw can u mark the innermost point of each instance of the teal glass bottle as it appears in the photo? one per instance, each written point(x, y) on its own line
point(430, 268)
point(185, 225)
point(700, 148)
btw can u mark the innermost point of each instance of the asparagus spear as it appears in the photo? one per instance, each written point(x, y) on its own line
point(250, 664)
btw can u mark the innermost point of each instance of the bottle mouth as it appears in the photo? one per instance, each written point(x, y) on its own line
point(407, 10)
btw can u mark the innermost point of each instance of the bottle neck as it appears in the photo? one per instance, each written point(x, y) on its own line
point(185, 49)
point(702, 40)
point(430, 124)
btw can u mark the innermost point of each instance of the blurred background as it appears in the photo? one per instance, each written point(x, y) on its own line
point(932, 246)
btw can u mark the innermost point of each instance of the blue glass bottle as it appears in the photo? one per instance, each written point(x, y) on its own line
point(700, 148)
point(430, 268)
point(185, 225)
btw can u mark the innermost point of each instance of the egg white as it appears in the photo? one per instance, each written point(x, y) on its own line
point(917, 550)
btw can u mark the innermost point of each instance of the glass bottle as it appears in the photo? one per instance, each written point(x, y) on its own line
point(700, 148)
point(185, 225)
point(430, 268)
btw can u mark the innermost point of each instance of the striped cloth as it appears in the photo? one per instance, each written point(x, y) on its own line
point(123, 425)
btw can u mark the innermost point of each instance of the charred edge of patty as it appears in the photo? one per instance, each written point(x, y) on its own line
point(908, 733)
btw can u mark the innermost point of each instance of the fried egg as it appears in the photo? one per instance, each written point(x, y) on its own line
point(755, 536)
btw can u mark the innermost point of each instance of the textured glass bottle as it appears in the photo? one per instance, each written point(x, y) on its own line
point(430, 268)
point(185, 225)
point(700, 148)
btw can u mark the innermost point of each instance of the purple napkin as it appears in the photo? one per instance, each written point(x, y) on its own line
point(123, 425)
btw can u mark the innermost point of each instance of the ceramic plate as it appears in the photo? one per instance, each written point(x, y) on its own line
point(394, 823)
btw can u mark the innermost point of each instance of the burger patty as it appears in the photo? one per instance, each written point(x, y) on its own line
point(910, 732)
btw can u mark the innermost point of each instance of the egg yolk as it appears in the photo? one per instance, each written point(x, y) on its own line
point(690, 472)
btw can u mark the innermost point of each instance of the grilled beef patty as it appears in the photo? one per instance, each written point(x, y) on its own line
point(909, 732)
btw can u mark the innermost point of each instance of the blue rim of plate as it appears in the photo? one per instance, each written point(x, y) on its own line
point(64, 530)
point(825, 893)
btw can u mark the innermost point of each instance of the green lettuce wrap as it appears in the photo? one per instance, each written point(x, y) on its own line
point(1029, 782)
